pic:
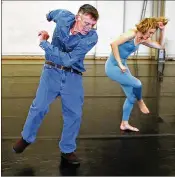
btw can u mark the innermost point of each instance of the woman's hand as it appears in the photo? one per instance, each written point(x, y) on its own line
point(123, 68)
point(161, 26)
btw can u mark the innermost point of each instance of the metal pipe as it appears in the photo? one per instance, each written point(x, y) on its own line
point(124, 16)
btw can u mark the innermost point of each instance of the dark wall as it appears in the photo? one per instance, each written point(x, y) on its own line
point(103, 97)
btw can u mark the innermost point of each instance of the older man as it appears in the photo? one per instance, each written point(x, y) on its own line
point(73, 37)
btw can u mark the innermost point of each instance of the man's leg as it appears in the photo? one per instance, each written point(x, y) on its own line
point(72, 97)
point(45, 95)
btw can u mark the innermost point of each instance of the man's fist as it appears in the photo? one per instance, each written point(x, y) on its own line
point(43, 35)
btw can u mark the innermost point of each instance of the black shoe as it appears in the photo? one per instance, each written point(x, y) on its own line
point(71, 158)
point(20, 145)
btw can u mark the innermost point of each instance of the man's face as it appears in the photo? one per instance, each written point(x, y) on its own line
point(85, 23)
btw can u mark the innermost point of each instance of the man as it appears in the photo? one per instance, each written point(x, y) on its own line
point(73, 37)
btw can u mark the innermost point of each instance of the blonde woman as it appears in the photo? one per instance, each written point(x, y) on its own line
point(116, 66)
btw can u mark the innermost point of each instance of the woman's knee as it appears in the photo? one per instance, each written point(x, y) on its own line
point(138, 84)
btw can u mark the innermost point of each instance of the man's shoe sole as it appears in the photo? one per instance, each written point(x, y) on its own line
point(65, 160)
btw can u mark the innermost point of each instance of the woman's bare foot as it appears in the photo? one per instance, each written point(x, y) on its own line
point(126, 126)
point(143, 107)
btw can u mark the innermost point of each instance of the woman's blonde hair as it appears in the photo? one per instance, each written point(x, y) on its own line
point(150, 23)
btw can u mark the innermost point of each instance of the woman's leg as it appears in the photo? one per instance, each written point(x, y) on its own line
point(127, 79)
point(127, 108)
point(138, 92)
point(132, 88)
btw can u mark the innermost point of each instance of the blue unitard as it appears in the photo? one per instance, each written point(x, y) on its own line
point(131, 86)
point(69, 51)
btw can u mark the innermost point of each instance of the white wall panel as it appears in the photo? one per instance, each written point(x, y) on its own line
point(170, 32)
point(21, 21)
point(110, 25)
point(132, 17)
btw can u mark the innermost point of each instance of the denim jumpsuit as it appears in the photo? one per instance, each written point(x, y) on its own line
point(69, 51)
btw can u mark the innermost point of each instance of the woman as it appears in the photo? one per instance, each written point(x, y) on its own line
point(117, 69)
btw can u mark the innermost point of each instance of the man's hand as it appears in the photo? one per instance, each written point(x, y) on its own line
point(43, 35)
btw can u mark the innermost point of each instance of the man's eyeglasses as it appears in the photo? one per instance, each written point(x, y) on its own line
point(86, 24)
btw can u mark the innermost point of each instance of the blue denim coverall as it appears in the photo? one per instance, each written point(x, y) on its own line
point(69, 51)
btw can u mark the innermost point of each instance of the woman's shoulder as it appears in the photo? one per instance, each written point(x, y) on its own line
point(129, 34)
point(133, 31)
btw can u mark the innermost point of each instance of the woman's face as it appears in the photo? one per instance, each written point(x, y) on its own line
point(147, 35)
